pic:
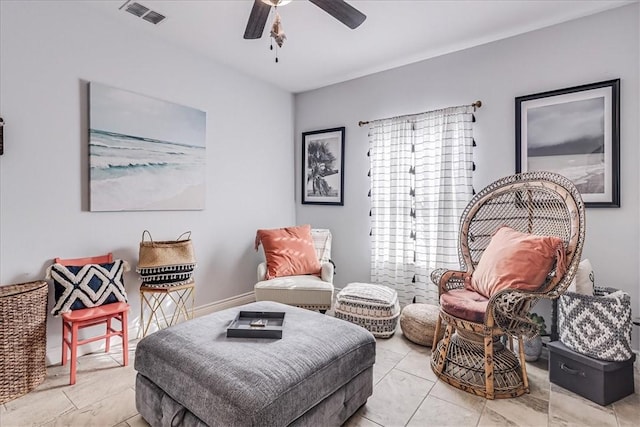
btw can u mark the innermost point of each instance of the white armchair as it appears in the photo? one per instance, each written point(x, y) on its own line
point(306, 291)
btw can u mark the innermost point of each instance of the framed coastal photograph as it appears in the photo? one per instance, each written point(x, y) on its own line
point(574, 132)
point(323, 167)
point(145, 154)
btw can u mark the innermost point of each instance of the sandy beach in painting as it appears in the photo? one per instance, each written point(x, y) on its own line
point(185, 198)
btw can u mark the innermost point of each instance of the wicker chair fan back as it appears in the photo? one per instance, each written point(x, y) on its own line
point(541, 203)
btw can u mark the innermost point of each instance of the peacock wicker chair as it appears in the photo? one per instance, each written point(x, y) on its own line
point(471, 355)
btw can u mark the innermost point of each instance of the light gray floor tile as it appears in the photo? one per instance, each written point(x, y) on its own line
point(567, 408)
point(95, 386)
point(59, 376)
point(538, 379)
point(525, 410)
point(36, 407)
point(396, 398)
point(458, 397)
point(106, 412)
point(137, 421)
point(386, 360)
point(627, 410)
point(415, 347)
point(490, 418)
point(358, 421)
point(98, 361)
point(419, 364)
point(116, 350)
point(397, 343)
point(437, 412)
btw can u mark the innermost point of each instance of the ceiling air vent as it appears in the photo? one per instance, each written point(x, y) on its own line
point(136, 9)
point(153, 17)
point(143, 12)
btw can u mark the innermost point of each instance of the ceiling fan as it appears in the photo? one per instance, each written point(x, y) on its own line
point(339, 9)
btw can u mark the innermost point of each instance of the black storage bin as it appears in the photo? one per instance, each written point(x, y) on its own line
point(600, 381)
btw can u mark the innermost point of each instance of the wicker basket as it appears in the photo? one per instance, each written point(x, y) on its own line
point(23, 338)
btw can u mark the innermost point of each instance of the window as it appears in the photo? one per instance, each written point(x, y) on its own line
point(421, 181)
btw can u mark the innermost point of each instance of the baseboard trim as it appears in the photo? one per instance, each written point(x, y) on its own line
point(54, 354)
point(233, 301)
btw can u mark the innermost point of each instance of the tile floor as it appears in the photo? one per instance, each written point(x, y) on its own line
point(406, 393)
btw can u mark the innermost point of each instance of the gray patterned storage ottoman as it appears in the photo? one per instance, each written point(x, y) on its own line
point(318, 374)
point(374, 307)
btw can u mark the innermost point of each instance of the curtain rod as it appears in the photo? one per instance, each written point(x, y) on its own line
point(361, 123)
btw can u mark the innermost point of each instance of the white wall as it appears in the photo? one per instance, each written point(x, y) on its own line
point(48, 51)
point(587, 50)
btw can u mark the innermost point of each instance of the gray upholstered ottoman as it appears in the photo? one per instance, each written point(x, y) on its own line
point(191, 374)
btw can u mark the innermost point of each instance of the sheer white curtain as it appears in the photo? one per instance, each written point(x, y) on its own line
point(421, 181)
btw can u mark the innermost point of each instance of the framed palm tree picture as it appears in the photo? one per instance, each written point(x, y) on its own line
point(323, 167)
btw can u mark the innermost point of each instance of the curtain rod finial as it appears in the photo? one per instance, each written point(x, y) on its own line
point(477, 104)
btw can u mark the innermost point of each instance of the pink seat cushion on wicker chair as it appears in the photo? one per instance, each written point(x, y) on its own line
point(464, 304)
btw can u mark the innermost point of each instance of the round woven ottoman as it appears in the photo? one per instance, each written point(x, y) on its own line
point(418, 323)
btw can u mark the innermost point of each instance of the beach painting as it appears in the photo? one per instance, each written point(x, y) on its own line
point(145, 154)
point(573, 132)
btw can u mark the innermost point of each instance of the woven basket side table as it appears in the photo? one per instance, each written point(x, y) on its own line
point(23, 338)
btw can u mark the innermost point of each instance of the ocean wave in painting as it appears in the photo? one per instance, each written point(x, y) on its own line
point(133, 173)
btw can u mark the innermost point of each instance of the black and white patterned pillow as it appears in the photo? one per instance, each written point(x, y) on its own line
point(90, 285)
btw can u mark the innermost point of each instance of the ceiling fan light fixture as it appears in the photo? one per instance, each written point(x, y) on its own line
point(277, 32)
point(276, 3)
point(261, 9)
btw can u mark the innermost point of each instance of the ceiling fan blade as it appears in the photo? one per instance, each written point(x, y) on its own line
point(257, 20)
point(342, 11)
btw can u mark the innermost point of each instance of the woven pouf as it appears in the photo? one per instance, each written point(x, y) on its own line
point(418, 323)
point(374, 307)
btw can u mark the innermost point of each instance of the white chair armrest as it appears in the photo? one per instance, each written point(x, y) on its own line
point(326, 273)
point(262, 271)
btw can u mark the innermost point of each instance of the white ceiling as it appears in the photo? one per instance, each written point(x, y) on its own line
point(320, 50)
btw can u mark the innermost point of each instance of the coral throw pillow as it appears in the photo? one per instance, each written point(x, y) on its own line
point(515, 260)
point(289, 251)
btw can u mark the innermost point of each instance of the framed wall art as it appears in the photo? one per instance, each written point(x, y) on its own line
point(574, 132)
point(323, 167)
point(144, 153)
